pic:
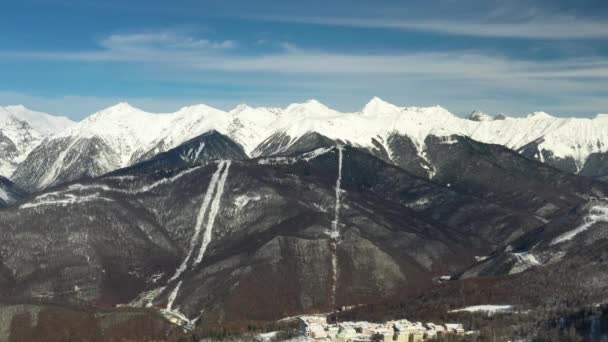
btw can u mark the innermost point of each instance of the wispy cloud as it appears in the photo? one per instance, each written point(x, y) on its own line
point(537, 27)
point(344, 75)
point(204, 55)
point(163, 40)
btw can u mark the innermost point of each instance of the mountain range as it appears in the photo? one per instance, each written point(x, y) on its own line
point(263, 213)
point(123, 135)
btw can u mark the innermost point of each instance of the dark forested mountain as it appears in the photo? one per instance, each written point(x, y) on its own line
point(203, 232)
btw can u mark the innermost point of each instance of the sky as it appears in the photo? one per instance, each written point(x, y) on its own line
point(500, 56)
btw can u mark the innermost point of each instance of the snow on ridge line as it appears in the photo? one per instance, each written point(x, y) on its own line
point(105, 187)
point(101, 187)
point(68, 199)
point(308, 156)
point(143, 189)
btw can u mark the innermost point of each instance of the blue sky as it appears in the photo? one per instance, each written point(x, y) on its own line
point(76, 57)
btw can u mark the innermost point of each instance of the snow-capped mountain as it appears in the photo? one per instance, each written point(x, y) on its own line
point(21, 130)
point(122, 135)
point(565, 143)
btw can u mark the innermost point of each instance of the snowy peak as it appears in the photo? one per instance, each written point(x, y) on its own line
point(309, 108)
point(198, 109)
point(122, 106)
point(116, 111)
point(378, 106)
point(540, 116)
point(241, 108)
point(479, 116)
point(121, 120)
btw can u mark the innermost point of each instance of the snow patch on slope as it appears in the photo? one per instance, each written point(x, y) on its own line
point(489, 309)
point(597, 213)
point(523, 261)
point(5, 196)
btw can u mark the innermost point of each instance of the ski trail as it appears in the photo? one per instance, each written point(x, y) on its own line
point(215, 207)
point(333, 281)
point(334, 225)
point(335, 233)
point(173, 295)
point(199, 219)
point(598, 212)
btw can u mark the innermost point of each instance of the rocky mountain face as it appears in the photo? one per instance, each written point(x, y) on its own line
point(9, 192)
point(596, 166)
point(208, 234)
